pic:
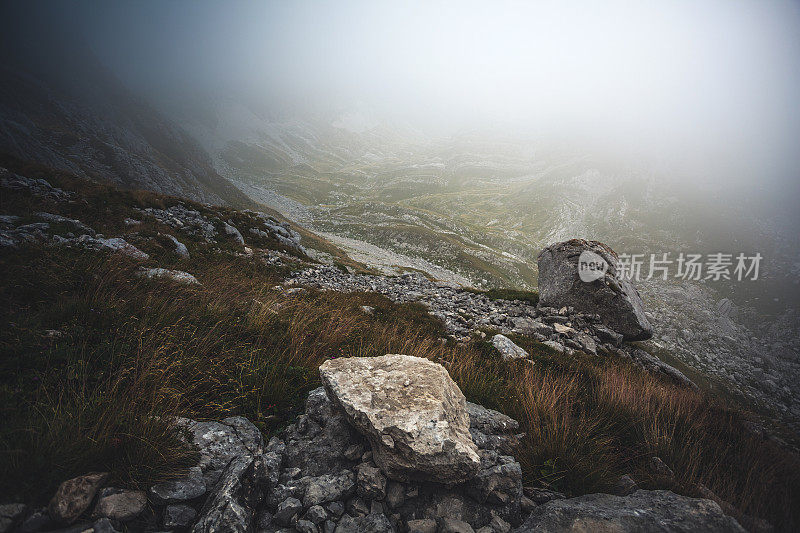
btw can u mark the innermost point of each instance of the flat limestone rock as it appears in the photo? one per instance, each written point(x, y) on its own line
point(412, 413)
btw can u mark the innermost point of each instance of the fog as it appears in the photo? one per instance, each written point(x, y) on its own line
point(709, 86)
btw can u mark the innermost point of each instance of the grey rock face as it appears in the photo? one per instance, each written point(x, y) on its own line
point(616, 301)
point(179, 515)
point(287, 509)
point(492, 430)
point(657, 511)
point(330, 448)
point(372, 523)
point(328, 488)
point(36, 187)
point(230, 507)
point(508, 350)
point(413, 414)
point(218, 442)
point(122, 506)
point(179, 490)
point(451, 525)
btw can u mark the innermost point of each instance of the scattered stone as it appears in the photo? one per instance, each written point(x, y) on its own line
point(10, 514)
point(371, 482)
point(76, 225)
point(230, 506)
point(38, 520)
point(624, 486)
point(421, 526)
point(187, 220)
point(174, 275)
point(230, 229)
point(562, 329)
point(219, 442)
point(371, 523)
point(508, 350)
point(499, 525)
point(179, 516)
point(306, 526)
point(660, 469)
point(180, 248)
point(451, 525)
point(74, 496)
point(122, 506)
point(316, 514)
point(419, 431)
point(357, 507)
point(115, 244)
point(335, 508)
point(103, 525)
point(530, 327)
point(287, 509)
point(179, 490)
point(328, 488)
point(655, 365)
point(557, 346)
point(354, 452)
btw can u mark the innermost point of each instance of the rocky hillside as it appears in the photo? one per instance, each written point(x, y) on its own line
point(171, 365)
point(75, 116)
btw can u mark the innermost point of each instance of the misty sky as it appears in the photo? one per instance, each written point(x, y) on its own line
point(713, 82)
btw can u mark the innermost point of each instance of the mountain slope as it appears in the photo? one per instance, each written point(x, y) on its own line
point(79, 118)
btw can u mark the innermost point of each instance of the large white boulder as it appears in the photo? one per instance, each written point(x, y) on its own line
point(412, 413)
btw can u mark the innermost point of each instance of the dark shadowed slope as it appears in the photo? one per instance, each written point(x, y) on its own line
point(68, 112)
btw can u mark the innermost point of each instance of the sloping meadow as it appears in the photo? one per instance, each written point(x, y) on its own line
point(95, 360)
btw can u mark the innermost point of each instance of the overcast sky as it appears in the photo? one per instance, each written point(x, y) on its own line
point(714, 81)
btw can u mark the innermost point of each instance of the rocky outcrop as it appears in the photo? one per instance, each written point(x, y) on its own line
point(465, 313)
point(355, 495)
point(615, 300)
point(319, 475)
point(508, 350)
point(656, 511)
point(413, 414)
